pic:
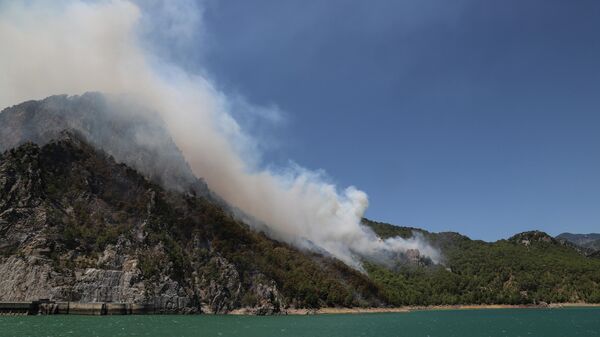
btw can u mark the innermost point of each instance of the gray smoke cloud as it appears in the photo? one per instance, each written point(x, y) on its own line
point(77, 46)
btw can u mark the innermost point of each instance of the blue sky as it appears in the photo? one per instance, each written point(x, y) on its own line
point(481, 117)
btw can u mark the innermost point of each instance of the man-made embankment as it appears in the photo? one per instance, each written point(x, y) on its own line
point(46, 307)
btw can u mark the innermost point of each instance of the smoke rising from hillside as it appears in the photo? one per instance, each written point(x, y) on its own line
point(78, 46)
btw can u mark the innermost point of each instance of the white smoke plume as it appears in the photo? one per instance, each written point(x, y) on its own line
point(77, 46)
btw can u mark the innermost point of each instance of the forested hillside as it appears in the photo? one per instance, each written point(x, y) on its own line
point(77, 226)
point(530, 267)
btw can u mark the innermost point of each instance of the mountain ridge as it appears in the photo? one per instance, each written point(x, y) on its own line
point(124, 129)
point(77, 226)
point(528, 268)
point(82, 220)
point(589, 243)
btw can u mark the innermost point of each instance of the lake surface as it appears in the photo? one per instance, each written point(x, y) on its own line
point(460, 323)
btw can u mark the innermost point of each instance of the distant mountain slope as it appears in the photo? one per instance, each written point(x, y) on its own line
point(75, 225)
point(125, 130)
point(589, 242)
point(529, 267)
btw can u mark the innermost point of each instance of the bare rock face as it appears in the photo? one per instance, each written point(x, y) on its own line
point(269, 300)
point(132, 134)
point(54, 235)
point(218, 293)
point(25, 279)
point(413, 256)
point(100, 285)
point(31, 278)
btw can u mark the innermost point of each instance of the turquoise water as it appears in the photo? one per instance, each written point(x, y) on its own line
point(460, 323)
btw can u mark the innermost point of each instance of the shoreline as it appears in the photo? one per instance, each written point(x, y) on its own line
point(102, 308)
point(407, 309)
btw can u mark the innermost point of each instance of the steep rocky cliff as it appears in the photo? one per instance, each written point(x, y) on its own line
point(76, 225)
point(119, 126)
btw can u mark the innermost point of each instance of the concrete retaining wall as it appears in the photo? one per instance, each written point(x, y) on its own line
point(16, 308)
point(46, 307)
point(117, 309)
point(77, 308)
point(141, 309)
point(62, 307)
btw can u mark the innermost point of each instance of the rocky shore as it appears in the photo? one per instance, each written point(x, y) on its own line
point(46, 307)
point(427, 308)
